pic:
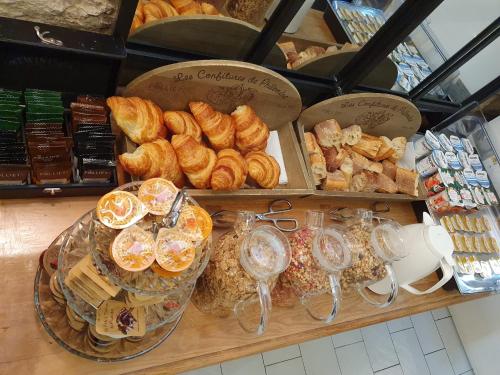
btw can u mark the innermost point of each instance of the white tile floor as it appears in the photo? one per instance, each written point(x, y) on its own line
point(423, 344)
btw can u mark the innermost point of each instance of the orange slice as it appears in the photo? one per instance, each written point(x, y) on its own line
point(155, 267)
point(119, 209)
point(133, 249)
point(174, 250)
point(158, 195)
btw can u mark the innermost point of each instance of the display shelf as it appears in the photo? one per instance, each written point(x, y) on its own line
point(54, 320)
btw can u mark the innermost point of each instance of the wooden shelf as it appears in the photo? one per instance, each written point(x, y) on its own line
point(28, 226)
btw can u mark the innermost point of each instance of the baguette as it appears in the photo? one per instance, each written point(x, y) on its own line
point(311, 143)
point(389, 169)
point(407, 181)
point(329, 133)
point(347, 169)
point(351, 135)
point(335, 181)
point(399, 145)
point(368, 146)
point(386, 149)
point(361, 163)
point(385, 184)
point(333, 158)
point(318, 167)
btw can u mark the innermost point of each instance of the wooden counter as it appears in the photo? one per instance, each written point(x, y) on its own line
point(28, 226)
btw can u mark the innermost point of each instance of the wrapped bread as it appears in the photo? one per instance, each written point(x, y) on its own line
point(196, 160)
point(187, 7)
point(155, 159)
point(368, 146)
point(251, 132)
point(218, 127)
point(351, 135)
point(385, 184)
point(180, 122)
point(361, 163)
point(311, 143)
point(230, 171)
point(399, 144)
point(407, 181)
point(263, 169)
point(140, 119)
point(389, 169)
point(335, 181)
point(386, 149)
point(328, 133)
point(318, 167)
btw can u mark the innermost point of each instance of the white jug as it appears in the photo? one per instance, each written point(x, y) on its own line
point(429, 247)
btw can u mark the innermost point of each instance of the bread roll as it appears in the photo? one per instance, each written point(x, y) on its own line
point(230, 171)
point(407, 181)
point(351, 135)
point(335, 181)
point(386, 149)
point(196, 160)
point(385, 184)
point(218, 127)
point(251, 132)
point(140, 119)
point(180, 122)
point(368, 146)
point(389, 169)
point(328, 133)
point(263, 169)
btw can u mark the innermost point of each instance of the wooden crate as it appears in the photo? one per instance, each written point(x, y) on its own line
point(377, 114)
point(225, 85)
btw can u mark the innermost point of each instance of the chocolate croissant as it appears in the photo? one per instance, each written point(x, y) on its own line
point(230, 171)
point(154, 159)
point(263, 169)
point(217, 126)
point(196, 161)
point(187, 7)
point(251, 132)
point(180, 122)
point(140, 119)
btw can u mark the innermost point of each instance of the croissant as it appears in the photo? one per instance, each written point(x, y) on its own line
point(180, 122)
point(166, 9)
point(196, 160)
point(154, 159)
point(263, 169)
point(230, 171)
point(209, 9)
point(139, 11)
point(217, 126)
point(251, 132)
point(136, 23)
point(187, 7)
point(152, 12)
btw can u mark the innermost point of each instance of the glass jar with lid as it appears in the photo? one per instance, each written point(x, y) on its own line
point(375, 243)
point(319, 254)
point(241, 273)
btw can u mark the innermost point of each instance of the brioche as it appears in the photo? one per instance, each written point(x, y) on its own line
point(196, 160)
point(180, 122)
point(140, 119)
point(368, 146)
point(407, 181)
point(386, 149)
point(328, 133)
point(351, 135)
point(187, 7)
point(389, 169)
point(154, 159)
point(230, 171)
point(218, 127)
point(251, 132)
point(335, 181)
point(263, 169)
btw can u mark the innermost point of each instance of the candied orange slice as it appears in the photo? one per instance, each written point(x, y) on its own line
point(133, 249)
point(119, 209)
point(195, 222)
point(158, 195)
point(174, 250)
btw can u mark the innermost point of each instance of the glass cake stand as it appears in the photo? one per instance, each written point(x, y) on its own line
point(53, 318)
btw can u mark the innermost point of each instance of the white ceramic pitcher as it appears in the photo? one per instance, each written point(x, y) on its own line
point(429, 248)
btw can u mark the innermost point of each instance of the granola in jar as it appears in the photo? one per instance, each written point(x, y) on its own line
point(252, 11)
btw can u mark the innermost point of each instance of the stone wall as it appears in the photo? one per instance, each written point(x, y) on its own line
point(89, 15)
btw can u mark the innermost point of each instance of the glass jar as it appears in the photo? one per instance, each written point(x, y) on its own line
point(318, 256)
point(242, 272)
point(375, 243)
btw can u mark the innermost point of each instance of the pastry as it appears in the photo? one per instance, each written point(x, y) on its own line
point(351, 135)
point(251, 132)
point(217, 126)
point(230, 171)
point(187, 7)
point(335, 181)
point(318, 167)
point(399, 145)
point(385, 184)
point(140, 119)
point(263, 169)
point(407, 181)
point(386, 149)
point(368, 146)
point(311, 143)
point(328, 133)
point(180, 122)
point(166, 9)
point(196, 160)
point(361, 163)
point(209, 9)
point(389, 169)
point(154, 159)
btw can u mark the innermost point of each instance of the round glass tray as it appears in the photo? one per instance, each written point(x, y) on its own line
point(76, 246)
point(144, 282)
point(53, 318)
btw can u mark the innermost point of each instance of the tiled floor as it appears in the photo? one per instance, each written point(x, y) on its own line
point(423, 344)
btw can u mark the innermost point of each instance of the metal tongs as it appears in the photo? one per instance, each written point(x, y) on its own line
point(343, 214)
point(170, 220)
